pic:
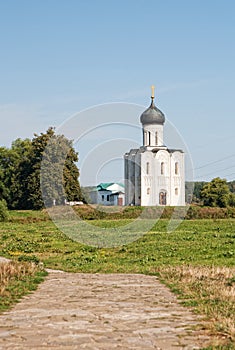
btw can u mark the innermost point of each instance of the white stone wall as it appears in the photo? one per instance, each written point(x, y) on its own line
point(147, 178)
point(150, 173)
point(177, 179)
point(163, 168)
point(158, 178)
point(149, 135)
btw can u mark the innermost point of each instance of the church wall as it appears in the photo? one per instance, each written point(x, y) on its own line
point(130, 177)
point(177, 179)
point(163, 171)
point(137, 179)
point(148, 184)
point(158, 179)
point(147, 174)
point(126, 177)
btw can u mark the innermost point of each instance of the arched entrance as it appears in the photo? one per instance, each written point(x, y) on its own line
point(162, 197)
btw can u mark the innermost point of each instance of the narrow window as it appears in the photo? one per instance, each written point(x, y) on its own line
point(162, 168)
point(108, 198)
point(149, 134)
point(145, 138)
point(148, 190)
point(156, 138)
point(176, 168)
point(147, 168)
point(176, 191)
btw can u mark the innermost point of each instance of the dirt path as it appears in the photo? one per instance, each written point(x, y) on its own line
point(100, 311)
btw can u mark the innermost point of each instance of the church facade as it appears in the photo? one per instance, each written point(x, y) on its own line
point(154, 174)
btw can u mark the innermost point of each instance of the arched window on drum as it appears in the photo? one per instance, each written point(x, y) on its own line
point(147, 168)
point(176, 168)
point(156, 138)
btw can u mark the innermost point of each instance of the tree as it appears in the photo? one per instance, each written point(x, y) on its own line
point(3, 211)
point(232, 199)
point(18, 195)
point(70, 176)
point(193, 191)
point(33, 193)
point(231, 185)
point(216, 193)
point(49, 157)
point(54, 174)
point(9, 160)
point(3, 189)
point(198, 186)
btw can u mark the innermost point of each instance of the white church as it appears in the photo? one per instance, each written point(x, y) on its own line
point(154, 174)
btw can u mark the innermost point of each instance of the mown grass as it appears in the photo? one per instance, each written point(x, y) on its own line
point(197, 242)
point(196, 260)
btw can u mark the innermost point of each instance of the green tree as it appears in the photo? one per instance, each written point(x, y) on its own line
point(232, 199)
point(198, 186)
point(8, 163)
point(3, 190)
point(231, 185)
point(33, 193)
point(20, 173)
point(70, 176)
point(54, 175)
point(27, 162)
point(193, 191)
point(4, 215)
point(216, 193)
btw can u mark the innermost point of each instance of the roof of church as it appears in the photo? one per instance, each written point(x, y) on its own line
point(170, 150)
point(152, 115)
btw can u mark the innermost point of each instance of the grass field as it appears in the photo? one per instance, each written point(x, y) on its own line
point(197, 260)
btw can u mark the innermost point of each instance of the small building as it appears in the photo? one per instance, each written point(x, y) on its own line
point(108, 194)
point(154, 174)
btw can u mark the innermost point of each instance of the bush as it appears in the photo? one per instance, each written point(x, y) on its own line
point(4, 215)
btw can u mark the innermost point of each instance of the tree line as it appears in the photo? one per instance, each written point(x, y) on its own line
point(22, 174)
point(34, 175)
point(216, 193)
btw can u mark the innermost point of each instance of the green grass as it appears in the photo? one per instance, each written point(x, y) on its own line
point(198, 242)
point(194, 249)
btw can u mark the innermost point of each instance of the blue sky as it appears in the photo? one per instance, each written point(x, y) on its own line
point(59, 57)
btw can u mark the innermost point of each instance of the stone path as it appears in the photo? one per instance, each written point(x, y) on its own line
point(100, 311)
